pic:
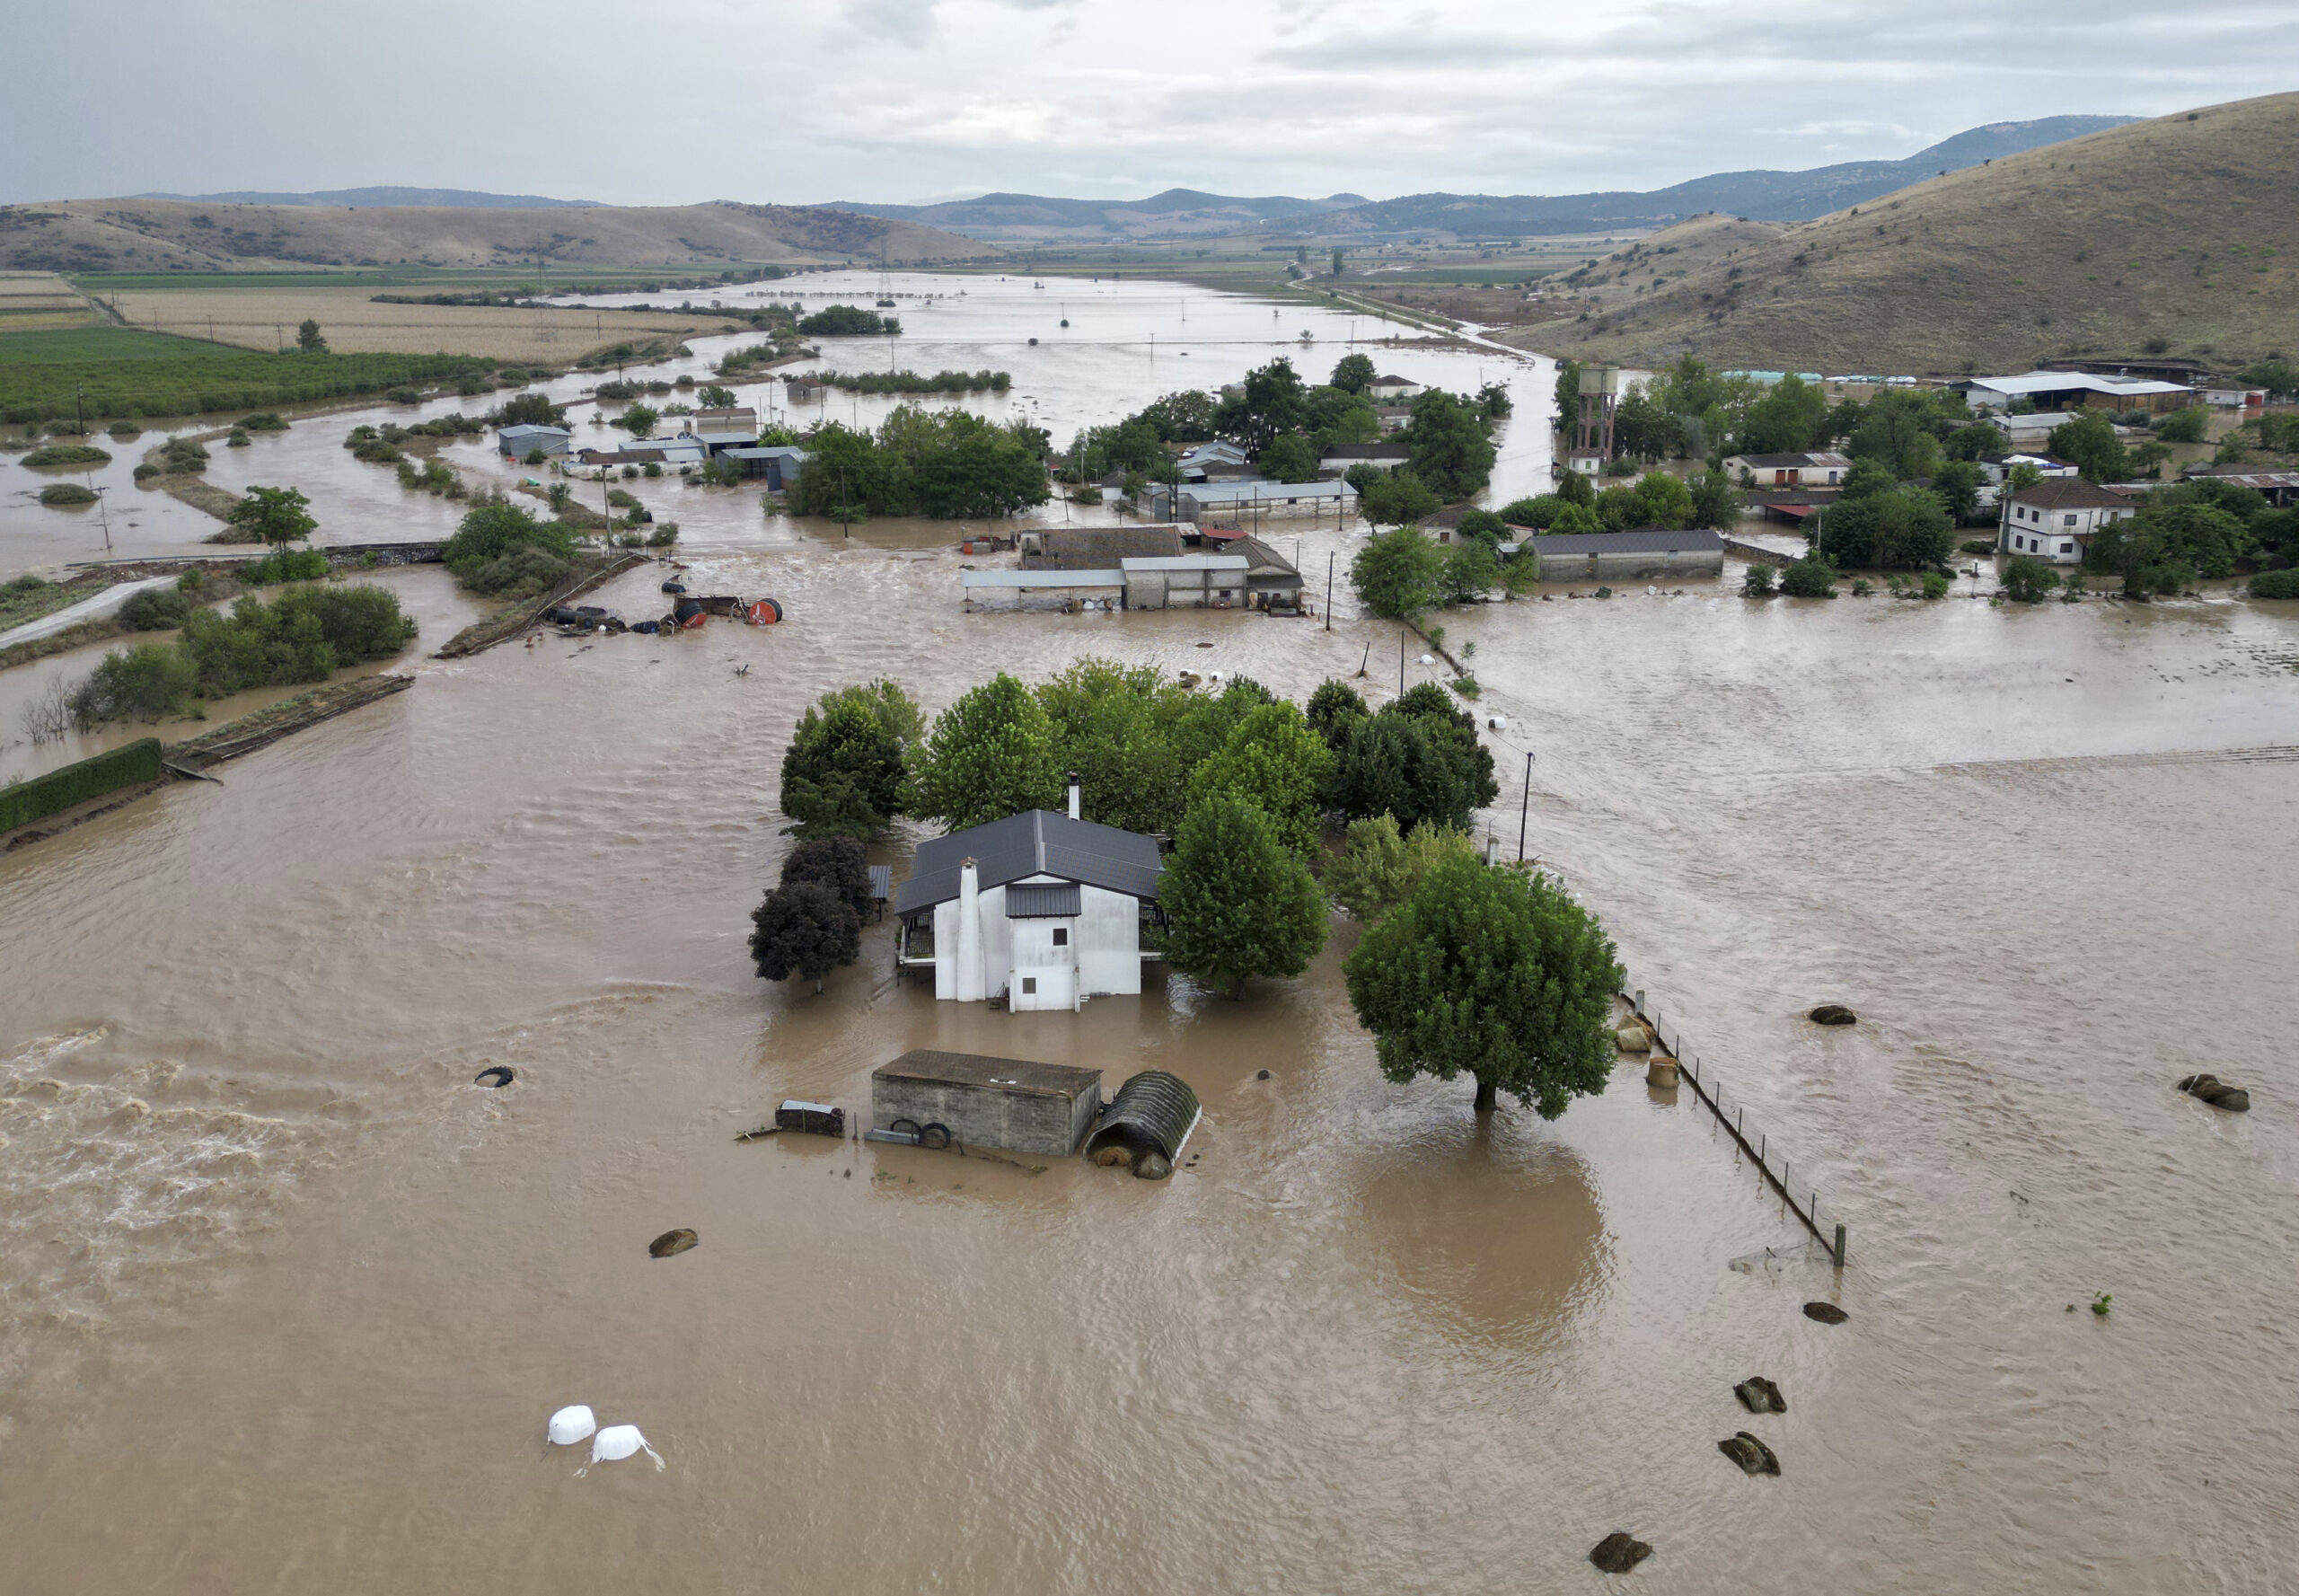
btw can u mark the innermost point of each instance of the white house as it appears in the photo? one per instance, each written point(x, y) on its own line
point(1042, 908)
point(1217, 458)
point(1393, 390)
point(1824, 469)
point(1338, 458)
point(2055, 519)
point(2065, 389)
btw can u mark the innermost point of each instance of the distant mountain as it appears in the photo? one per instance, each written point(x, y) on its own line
point(362, 198)
point(1759, 196)
point(1033, 218)
point(1763, 196)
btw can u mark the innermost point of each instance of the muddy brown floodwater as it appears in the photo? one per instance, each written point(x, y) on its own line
point(285, 1300)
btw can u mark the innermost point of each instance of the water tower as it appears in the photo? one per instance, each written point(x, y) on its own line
point(1592, 433)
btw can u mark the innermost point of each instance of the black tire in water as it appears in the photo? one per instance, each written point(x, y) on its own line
point(936, 1135)
point(496, 1075)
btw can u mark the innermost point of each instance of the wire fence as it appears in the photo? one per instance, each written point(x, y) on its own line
point(1804, 1203)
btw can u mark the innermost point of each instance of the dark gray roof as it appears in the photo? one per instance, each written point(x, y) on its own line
point(1100, 547)
point(1777, 461)
point(1652, 539)
point(1036, 843)
point(1063, 902)
point(1155, 1109)
point(1389, 451)
point(1261, 561)
point(882, 882)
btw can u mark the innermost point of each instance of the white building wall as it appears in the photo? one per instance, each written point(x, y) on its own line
point(1109, 943)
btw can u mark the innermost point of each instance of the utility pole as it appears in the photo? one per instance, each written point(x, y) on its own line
point(1400, 660)
point(1329, 559)
point(1526, 811)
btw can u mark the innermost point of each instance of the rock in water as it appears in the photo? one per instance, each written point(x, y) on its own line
point(671, 1243)
point(1751, 1453)
point(1828, 1313)
point(1759, 1395)
point(2217, 1093)
point(1834, 1014)
point(1619, 1552)
point(1152, 1166)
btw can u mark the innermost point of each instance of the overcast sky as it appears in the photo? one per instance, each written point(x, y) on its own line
point(909, 99)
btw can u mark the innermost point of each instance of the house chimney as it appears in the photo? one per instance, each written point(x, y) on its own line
point(972, 979)
point(1073, 796)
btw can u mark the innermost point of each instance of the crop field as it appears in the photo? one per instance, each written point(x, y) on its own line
point(264, 314)
point(119, 370)
point(39, 301)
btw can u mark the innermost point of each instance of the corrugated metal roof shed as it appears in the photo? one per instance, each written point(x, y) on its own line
point(1153, 1112)
point(1065, 901)
point(1650, 539)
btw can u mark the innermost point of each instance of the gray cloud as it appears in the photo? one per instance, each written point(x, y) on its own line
point(901, 99)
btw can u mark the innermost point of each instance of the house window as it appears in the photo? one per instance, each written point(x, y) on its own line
point(1029, 986)
point(2067, 548)
point(2067, 520)
point(1061, 936)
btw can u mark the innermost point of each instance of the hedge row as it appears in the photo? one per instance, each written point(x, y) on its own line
point(77, 783)
point(44, 391)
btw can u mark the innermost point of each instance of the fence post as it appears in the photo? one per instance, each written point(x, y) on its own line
point(1839, 1238)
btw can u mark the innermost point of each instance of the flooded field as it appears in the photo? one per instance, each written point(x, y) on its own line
point(285, 1300)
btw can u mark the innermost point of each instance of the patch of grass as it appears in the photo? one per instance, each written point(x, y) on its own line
point(69, 454)
point(68, 493)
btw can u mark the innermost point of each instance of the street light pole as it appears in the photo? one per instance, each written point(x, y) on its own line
point(1524, 812)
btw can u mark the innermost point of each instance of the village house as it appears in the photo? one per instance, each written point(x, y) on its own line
point(2055, 519)
point(1096, 547)
point(778, 463)
point(1217, 461)
point(1823, 470)
point(1041, 909)
point(1393, 390)
point(1194, 502)
point(739, 420)
point(1645, 553)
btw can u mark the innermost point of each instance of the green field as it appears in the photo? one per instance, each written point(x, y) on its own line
point(123, 371)
point(85, 345)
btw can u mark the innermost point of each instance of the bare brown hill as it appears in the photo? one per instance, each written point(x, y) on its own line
point(196, 236)
point(2174, 236)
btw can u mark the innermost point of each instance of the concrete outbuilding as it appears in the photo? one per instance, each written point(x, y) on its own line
point(1621, 556)
point(987, 1102)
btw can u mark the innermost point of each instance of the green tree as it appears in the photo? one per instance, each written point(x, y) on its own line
point(2027, 580)
point(1334, 707)
point(1811, 576)
point(1906, 529)
point(1715, 501)
point(494, 529)
point(805, 928)
point(1642, 429)
point(991, 755)
point(533, 409)
point(1274, 761)
point(1957, 484)
point(1470, 569)
point(1241, 903)
point(276, 515)
point(1336, 261)
point(1786, 421)
point(2090, 445)
point(1115, 729)
point(639, 420)
point(1415, 767)
point(1978, 440)
point(2183, 427)
point(1567, 396)
point(1447, 446)
point(838, 863)
point(308, 339)
point(715, 396)
point(1290, 458)
point(1896, 429)
point(1494, 975)
point(845, 773)
point(1397, 573)
point(1352, 374)
point(1271, 402)
point(1378, 866)
point(1398, 498)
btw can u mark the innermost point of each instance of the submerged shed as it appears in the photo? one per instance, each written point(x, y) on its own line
point(1154, 1112)
point(987, 1102)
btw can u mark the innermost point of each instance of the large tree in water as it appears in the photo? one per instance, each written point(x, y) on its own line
point(1487, 973)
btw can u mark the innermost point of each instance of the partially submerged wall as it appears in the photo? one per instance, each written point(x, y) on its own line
point(58, 790)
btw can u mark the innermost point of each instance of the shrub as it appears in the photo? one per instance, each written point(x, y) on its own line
point(58, 790)
point(263, 421)
point(181, 457)
point(2183, 427)
point(1811, 576)
point(1465, 686)
point(69, 454)
point(1760, 581)
point(1979, 546)
point(2281, 584)
point(156, 608)
point(125, 432)
point(68, 493)
point(651, 469)
point(537, 457)
point(300, 565)
point(664, 535)
point(493, 529)
point(404, 396)
point(1935, 585)
point(2026, 580)
point(526, 571)
point(142, 684)
point(1862, 587)
point(238, 439)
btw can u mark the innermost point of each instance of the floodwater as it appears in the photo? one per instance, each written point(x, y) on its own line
point(285, 1300)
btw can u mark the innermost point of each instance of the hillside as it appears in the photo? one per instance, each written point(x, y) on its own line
point(1762, 195)
point(2174, 235)
point(472, 198)
point(191, 235)
point(1032, 217)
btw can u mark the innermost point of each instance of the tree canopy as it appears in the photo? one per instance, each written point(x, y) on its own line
point(1491, 974)
point(1446, 446)
point(1396, 574)
point(1242, 904)
point(1274, 759)
point(991, 755)
point(276, 515)
point(804, 929)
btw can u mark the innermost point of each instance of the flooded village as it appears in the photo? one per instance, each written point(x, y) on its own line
point(917, 1012)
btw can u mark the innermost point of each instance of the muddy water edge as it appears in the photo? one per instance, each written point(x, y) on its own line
point(284, 1299)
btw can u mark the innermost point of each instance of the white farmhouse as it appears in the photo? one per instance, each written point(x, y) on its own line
point(1042, 908)
point(2055, 519)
